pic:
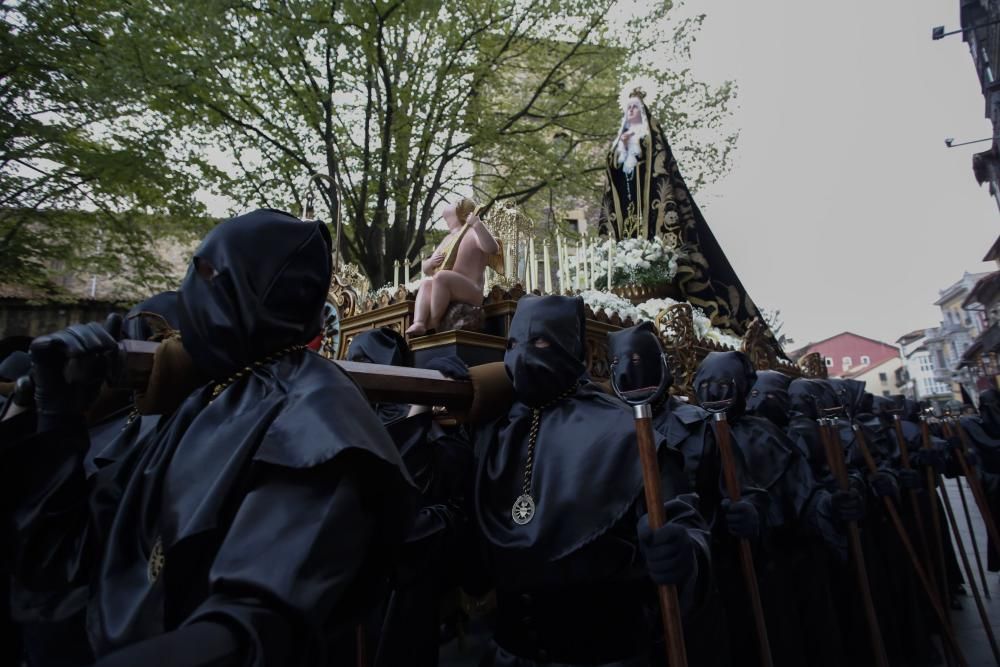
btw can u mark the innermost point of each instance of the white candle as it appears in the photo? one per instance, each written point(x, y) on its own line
point(586, 264)
point(547, 267)
point(579, 265)
point(611, 262)
point(561, 263)
point(532, 268)
point(395, 273)
point(406, 271)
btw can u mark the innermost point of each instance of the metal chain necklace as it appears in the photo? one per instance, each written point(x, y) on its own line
point(246, 370)
point(523, 510)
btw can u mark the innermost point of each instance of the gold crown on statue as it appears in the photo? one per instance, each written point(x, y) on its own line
point(638, 92)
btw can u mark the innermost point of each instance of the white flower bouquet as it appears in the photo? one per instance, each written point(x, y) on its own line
point(633, 262)
point(648, 311)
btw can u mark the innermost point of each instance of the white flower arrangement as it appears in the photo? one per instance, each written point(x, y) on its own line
point(387, 290)
point(633, 262)
point(648, 311)
point(611, 303)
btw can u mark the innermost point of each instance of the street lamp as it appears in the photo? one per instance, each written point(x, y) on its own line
point(950, 142)
point(939, 33)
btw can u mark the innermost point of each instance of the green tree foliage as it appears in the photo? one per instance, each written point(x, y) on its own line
point(402, 103)
point(88, 177)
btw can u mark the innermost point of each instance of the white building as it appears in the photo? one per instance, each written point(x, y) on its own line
point(918, 376)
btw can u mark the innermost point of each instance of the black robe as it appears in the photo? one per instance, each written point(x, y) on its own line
point(257, 520)
point(571, 584)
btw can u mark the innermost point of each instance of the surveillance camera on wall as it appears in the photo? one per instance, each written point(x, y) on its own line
point(949, 141)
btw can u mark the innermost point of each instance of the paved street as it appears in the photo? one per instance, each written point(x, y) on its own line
point(968, 627)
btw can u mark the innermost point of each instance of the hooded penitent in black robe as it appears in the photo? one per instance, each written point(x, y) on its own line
point(806, 551)
point(984, 434)
point(114, 426)
point(571, 584)
point(655, 191)
point(382, 346)
point(250, 528)
point(636, 353)
point(406, 628)
point(775, 463)
point(900, 602)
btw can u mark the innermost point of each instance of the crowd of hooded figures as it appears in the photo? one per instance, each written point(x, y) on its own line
point(250, 507)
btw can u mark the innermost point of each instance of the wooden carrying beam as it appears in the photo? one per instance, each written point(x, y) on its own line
point(381, 384)
point(397, 384)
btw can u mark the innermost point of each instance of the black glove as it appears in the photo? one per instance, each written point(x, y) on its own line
point(847, 506)
point(669, 551)
point(884, 484)
point(934, 457)
point(741, 518)
point(910, 479)
point(450, 367)
point(971, 455)
point(68, 368)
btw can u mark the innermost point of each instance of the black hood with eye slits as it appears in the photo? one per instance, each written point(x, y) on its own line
point(540, 374)
point(725, 375)
point(637, 357)
point(271, 277)
point(769, 397)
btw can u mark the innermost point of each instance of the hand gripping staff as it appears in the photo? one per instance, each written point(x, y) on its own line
point(890, 508)
point(722, 437)
point(641, 399)
point(835, 461)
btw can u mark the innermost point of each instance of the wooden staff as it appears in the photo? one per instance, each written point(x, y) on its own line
point(835, 460)
point(890, 508)
point(972, 536)
point(722, 437)
point(935, 517)
point(652, 482)
point(918, 516)
point(670, 608)
point(977, 491)
point(950, 432)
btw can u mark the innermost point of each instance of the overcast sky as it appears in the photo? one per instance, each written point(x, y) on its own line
point(844, 208)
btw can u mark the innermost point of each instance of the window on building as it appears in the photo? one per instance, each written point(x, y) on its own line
point(829, 362)
point(926, 365)
point(845, 362)
point(573, 224)
point(865, 360)
point(883, 378)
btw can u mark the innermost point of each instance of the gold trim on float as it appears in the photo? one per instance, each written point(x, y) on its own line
point(458, 337)
point(378, 316)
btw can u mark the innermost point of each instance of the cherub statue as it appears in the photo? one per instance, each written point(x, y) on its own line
point(457, 268)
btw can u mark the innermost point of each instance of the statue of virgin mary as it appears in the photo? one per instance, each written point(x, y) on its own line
point(646, 196)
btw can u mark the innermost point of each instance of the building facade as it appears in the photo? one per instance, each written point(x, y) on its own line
point(962, 322)
point(848, 352)
point(981, 31)
point(879, 379)
point(918, 373)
